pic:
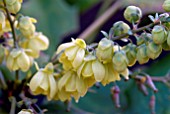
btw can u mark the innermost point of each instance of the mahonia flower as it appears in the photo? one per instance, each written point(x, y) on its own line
point(13, 5)
point(166, 5)
point(70, 85)
point(159, 34)
point(153, 50)
point(36, 44)
point(120, 61)
point(105, 50)
point(18, 59)
point(26, 26)
point(91, 67)
point(43, 82)
point(141, 55)
point(73, 53)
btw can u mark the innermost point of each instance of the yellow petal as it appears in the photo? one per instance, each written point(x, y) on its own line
point(53, 87)
point(79, 58)
point(81, 86)
point(81, 43)
point(87, 70)
point(98, 70)
point(71, 52)
point(71, 84)
point(79, 70)
point(63, 80)
point(23, 62)
point(63, 95)
point(64, 46)
point(36, 80)
point(42, 42)
point(10, 62)
point(45, 83)
point(125, 74)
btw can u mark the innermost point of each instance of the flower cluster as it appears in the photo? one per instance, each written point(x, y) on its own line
point(19, 49)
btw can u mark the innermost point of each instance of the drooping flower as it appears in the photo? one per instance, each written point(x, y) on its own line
point(18, 59)
point(13, 5)
point(43, 82)
point(36, 44)
point(105, 50)
point(73, 53)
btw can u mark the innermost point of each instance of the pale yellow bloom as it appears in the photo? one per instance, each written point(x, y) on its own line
point(70, 85)
point(26, 111)
point(36, 44)
point(26, 26)
point(91, 67)
point(73, 53)
point(43, 82)
point(18, 59)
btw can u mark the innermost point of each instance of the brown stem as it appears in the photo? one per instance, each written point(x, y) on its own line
point(11, 24)
point(101, 20)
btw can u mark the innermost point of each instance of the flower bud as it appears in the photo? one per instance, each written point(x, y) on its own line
point(130, 50)
point(159, 34)
point(26, 111)
point(2, 53)
point(115, 91)
point(26, 26)
point(18, 59)
point(168, 38)
point(132, 14)
point(2, 20)
point(153, 50)
point(165, 46)
point(143, 38)
point(105, 51)
point(166, 5)
point(120, 61)
point(73, 55)
point(13, 6)
point(141, 55)
point(150, 84)
point(120, 27)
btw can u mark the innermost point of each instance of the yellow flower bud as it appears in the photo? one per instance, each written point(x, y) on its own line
point(120, 27)
point(73, 52)
point(18, 59)
point(2, 20)
point(159, 34)
point(141, 55)
point(91, 67)
point(166, 5)
point(105, 51)
point(111, 74)
point(26, 111)
point(36, 44)
point(165, 46)
point(43, 82)
point(143, 38)
point(13, 6)
point(26, 26)
point(153, 50)
point(130, 50)
point(120, 61)
point(2, 53)
point(132, 14)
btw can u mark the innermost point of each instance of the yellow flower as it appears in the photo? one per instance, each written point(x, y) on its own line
point(105, 50)
point(70, 85)
point(18, 59)
point(13, 5)
point(36, 44)
point(91, 67)
point(141, 55)
point(26, 26)
point(43, 82)
point(111, 74)
point(73, 53)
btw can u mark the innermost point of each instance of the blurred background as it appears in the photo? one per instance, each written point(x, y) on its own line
point(62, 19)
